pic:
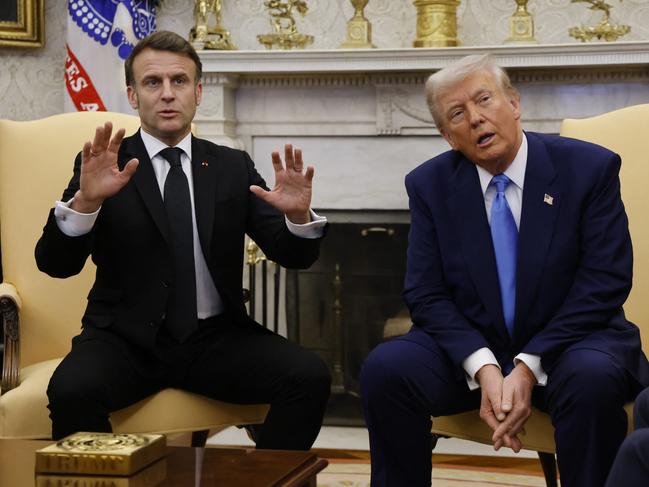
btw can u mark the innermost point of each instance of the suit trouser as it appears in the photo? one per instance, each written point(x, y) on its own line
point(408, 379)
point(243, 364)
point(631, 466)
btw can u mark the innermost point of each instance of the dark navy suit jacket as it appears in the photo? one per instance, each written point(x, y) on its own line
point(574, 267)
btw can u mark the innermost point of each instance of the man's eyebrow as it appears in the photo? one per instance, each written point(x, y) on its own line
point(481, 90)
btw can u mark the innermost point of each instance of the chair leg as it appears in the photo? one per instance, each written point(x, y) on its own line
point(199, 438)
point(549, 466)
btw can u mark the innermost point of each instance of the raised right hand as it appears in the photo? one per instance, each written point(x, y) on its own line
point(100, 175)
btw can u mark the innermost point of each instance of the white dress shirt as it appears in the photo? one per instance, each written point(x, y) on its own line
point(514, 194)
point(208, 300)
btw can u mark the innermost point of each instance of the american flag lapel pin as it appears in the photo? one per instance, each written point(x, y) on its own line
point(547, 199)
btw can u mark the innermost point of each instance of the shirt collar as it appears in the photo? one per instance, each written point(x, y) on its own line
point(154, 146)
point(515, 172)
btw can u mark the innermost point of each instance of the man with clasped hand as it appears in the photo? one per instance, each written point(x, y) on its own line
point(163, 215)
point(519, 262)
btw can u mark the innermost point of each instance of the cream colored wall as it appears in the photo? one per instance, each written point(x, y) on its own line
point(31, 81)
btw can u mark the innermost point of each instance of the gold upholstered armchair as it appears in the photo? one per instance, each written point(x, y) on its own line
point(625, 132)
point(40, 315)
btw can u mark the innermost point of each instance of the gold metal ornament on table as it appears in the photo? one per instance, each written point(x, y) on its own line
point(359, 29)
point(209, 36)
point(521, 25)
point(286, 35)
point(436, 23)
point(603, 30)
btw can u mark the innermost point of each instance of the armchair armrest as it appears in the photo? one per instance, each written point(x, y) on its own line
point(10, 304)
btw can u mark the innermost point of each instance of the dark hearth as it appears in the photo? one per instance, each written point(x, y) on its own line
point(339, 307)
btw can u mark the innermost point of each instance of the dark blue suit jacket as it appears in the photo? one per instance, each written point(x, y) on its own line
point(574, 262)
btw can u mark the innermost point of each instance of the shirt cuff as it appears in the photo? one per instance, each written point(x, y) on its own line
point(474, 362)
point(72, 223)
point(534, 364)
point(313, 229)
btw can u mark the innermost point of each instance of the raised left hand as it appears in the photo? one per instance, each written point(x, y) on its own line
point(292, 192)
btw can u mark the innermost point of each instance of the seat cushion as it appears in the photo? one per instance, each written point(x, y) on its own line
point(24, 413)
point(539, 432)
point(173, 411)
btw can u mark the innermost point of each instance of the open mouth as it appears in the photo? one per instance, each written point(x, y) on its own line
point(485, 139)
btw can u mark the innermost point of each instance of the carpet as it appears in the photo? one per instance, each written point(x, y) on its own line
point(342, 473)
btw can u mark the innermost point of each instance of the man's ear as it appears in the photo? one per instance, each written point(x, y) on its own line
point(449, 138)
point(515, 102)
point(132, 97)
point(199, 93)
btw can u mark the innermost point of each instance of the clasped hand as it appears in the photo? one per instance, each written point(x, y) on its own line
point(292, 191)
point(506, 403)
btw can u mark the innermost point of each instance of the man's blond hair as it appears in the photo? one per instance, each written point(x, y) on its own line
point(443, 80)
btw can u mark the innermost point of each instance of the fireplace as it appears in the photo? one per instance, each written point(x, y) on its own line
point(340, 306)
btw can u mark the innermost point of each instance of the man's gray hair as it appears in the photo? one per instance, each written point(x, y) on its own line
point(443, 80)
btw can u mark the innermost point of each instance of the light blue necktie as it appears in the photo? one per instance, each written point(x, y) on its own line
point(505, 239)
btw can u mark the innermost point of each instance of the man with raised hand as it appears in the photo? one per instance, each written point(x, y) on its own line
point(163, 216)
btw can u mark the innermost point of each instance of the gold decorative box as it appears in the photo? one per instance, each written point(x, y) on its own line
point(104, 454)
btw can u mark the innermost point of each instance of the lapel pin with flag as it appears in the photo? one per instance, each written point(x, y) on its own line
point(547, 199)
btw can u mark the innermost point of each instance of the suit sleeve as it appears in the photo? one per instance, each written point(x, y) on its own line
point(57, 254)
point(267, 227)
point(602, 280)
point(426, 293)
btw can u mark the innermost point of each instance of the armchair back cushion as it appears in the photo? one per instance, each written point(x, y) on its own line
point(626, 132)
point(35, 166)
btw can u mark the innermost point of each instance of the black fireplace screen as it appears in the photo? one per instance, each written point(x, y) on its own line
point(347, 302)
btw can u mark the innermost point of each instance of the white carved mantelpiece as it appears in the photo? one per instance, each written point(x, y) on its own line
point(361, 117)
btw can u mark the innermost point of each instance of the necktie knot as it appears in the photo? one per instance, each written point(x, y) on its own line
point(172, 155)
point(500, 181)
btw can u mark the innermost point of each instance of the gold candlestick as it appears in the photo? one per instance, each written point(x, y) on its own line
point(521, 25)
point(286, 35)
point(603, 30)
point(359, 29)
point(206, 36)
point(436, 23)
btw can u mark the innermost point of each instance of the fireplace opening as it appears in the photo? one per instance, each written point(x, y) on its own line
point(350, 300)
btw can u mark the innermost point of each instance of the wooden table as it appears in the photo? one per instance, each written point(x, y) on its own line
point(216, 467)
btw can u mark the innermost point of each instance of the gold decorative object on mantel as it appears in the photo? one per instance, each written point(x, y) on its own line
point(521, 25)
point(286, 35)
point(359, 29)
point(603, 30)
point(206, 36)
point(436, 23)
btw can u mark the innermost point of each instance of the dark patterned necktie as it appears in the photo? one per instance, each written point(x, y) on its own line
point(505, 239)
point(181, 317)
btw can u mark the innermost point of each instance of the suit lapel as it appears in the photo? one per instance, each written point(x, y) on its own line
point(538, 217)
point(207, 171)
point(467, 207)
point(146, 182)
